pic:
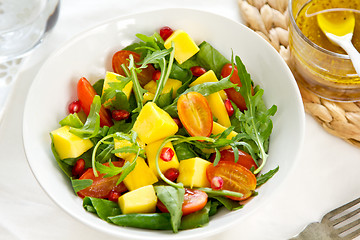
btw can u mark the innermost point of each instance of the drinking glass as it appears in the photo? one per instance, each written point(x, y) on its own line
point(23, 24)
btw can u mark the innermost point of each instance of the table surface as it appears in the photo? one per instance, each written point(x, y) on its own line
point(325, 177)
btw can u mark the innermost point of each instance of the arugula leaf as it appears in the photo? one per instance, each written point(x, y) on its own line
point(154, 41)
point(155, 57)
point(137, 89)
point(215, 205)
point(165, 99)
point(105, 154)
point(173, 199)
point(179, 73)
point(263, 178)
point(112, 170)
point(184, 151)
point(114, 97)
point(154, 221)
point(210, 58)
point(102, 207)
point(212, 192)
point(165, 72)
point(79, 185)
point(66, 168)
point(227, 202)
point(127, 168)
point(196, 219)
point(254, 121)
point(98, 86)
point(72, 120)
point(92, 125)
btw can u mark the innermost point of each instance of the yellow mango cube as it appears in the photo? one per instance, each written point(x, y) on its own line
point(151, 151)
point(209, 76)
point(170, 84)
point(148, 96)
point(216, 103)
point(150, 87)
point(218, 129)
point(140, 176)
point(112, 77)
point(185, 47)
point(192, 172)
point(69, 145)
point(153, 124)
point(141, 200)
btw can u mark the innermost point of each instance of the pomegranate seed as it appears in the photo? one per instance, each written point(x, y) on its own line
point(217, 183)
point(229, 107)
point(167, 154)
point(79, 167)
point(178, 122)
point(74, 107)
point(197, 71)
point(113, 196)
point(156, 75)
point(166, 32)
point(119, 115)
point(171, 174)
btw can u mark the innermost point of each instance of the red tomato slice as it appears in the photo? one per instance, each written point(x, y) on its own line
point(122, 57)
point(245, 159)
point(195, 114)
point(101, 187)
point(232, 94)
point(194, 200)
point(86, 94)
point(236, 178)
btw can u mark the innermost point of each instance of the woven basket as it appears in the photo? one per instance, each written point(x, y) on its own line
point(270, 19)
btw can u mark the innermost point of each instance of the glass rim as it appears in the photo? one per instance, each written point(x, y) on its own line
point(30, 21)
point(306, 39)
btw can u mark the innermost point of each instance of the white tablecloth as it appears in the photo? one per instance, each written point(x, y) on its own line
point(326, 174)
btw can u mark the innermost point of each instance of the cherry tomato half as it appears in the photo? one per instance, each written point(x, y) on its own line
point(86, 94)
point(101, 187)
point(194, 200)
point(245, 159)
point(232, 94)
point(195, 114)
point(122, 57)
point(236, 178)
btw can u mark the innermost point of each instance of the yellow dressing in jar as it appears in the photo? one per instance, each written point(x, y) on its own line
point(318, 64)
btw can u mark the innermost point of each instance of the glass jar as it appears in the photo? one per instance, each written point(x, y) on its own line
point(327, 74)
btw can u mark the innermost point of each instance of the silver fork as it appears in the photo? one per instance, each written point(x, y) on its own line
point(328, 228)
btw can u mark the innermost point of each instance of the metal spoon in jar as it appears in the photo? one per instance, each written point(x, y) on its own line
point(338, 27)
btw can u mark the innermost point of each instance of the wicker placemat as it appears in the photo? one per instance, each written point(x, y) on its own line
point(270, 19)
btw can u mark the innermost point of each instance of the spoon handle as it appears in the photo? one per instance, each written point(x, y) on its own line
point(353, 54)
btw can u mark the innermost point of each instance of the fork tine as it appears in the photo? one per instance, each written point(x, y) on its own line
point(341, 209)
point(348, 226)
point(352, 235)
point(345, 217)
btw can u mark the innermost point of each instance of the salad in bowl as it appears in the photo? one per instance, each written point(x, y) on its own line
point(172, 134)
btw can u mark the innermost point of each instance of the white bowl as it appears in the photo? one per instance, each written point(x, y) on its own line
point(89, 55)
